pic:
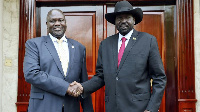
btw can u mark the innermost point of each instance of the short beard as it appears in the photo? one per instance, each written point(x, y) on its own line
point(124, 32)
point(58, 36)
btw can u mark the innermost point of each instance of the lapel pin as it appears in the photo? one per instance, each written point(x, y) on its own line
point(72, 46)
point(134, 38)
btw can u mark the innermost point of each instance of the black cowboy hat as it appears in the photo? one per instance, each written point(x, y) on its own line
point(124, 7)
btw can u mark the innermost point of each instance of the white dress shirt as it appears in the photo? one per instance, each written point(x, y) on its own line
point(127, 36)
point(64, 46)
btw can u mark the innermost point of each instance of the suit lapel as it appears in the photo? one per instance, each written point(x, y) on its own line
point(52, 50)
point(132, 41)
point(71, 54)
point(115, 50)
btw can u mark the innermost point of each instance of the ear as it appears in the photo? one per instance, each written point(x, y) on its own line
point(133, 20)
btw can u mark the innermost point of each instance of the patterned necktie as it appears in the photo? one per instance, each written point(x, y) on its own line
point(121, 50)
point(63, 56)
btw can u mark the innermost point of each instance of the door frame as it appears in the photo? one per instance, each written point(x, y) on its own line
point(184, 63)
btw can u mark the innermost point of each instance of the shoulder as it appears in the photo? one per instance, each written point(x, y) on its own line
point(76, 43)
point(147, 39)
point(34, 42)
point(145, 35)
point(36, 39)
point(110, 38)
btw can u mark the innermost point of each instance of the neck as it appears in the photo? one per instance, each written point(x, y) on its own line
point(58, 38)
point(124, 33)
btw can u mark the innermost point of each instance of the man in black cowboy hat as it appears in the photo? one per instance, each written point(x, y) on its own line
point(127, 61)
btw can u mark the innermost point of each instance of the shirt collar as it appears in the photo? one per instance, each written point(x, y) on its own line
point(54, 39)
point(127, 36)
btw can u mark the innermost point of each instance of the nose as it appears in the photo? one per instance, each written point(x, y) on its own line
point(123, 20)
point(57, 23)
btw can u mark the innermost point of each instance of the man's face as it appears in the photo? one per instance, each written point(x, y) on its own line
point(124, 23)
point(56, 24)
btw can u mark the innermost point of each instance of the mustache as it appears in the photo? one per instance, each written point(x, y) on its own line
point(123, 24)
point(58, 27)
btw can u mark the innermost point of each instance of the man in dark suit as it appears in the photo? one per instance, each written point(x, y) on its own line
point(126, 63)
point(51, 63)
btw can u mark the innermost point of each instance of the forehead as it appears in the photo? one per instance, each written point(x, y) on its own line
point(56, 14)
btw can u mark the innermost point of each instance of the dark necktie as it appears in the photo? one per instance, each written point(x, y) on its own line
point(121, 50)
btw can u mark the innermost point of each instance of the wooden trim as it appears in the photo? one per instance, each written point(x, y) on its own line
point(187, 106)
point(187, 100)
point(185, 56)
point(22, 106)
point(26, 31)
point(147, 2)
point(104, 22)
point(185, 48)
point(22, 103)
point(102, 2)
point(184, 45)
point(96, 0)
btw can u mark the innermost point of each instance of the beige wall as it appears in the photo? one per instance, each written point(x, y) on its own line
point(10, 40)
point(1, 49)
point(197, 51)
point(9, 31)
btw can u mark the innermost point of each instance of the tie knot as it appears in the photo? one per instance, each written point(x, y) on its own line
point(123, 39)
point(59, 41)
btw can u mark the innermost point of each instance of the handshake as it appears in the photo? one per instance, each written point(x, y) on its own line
point(75, 89)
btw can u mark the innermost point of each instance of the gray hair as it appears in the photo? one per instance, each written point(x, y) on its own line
point(52, 11)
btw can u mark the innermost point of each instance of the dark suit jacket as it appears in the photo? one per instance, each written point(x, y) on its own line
point(127, 88)
point(43, 70)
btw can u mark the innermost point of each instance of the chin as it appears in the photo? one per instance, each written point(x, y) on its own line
point(58, 35)
point(123, 30)
point(123, 33)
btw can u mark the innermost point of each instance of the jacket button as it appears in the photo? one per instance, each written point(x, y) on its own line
point(117, 78)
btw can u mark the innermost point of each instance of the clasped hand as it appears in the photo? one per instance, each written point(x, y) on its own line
point(75, 89)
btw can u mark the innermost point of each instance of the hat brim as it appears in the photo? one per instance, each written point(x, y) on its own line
point(137, 14)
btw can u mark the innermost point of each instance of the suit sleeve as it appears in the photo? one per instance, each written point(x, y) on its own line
point(38, 78)
point(97, 81)
point(157, 73)
point(86, 103)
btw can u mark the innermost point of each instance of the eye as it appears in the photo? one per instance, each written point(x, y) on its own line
point(61, 20)
point(118, 18)
point(52, 21)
